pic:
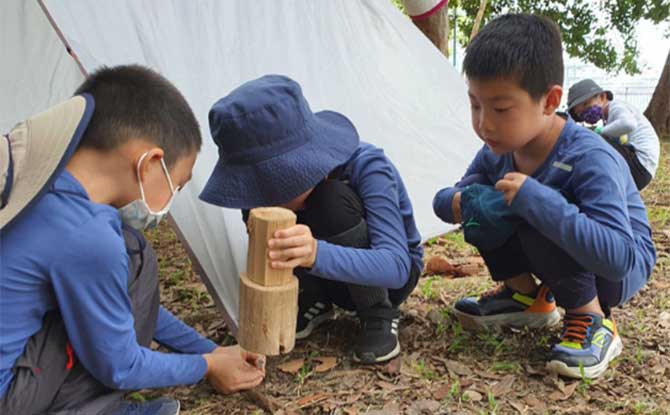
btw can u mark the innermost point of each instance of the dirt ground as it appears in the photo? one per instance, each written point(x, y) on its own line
point(442, 369)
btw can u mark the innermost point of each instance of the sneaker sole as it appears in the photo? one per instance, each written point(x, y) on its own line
point(313, 324)
point(517, 320)
point(393, 353)
point(589, 372)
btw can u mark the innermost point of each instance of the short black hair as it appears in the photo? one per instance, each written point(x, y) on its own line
point(525, 47)
point(133, 101)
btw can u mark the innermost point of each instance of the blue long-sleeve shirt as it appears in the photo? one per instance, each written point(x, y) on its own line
point(68, 253)
point(395, 243)
point(582, 198)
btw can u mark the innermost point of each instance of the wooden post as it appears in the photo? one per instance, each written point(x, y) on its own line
point(432, 18)
point(268, 297)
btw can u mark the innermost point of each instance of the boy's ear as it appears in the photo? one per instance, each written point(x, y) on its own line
point(553, 99)
point(153, 156)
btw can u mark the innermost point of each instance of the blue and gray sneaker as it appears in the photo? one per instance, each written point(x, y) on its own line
point(588, 344)
point(504, 307)
point(160, 406)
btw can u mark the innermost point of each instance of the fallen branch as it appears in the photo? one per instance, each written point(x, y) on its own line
point(265, 402)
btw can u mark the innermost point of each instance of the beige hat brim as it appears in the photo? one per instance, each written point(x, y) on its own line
point(39, 145)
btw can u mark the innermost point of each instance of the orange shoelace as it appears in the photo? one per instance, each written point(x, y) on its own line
point(575, 327)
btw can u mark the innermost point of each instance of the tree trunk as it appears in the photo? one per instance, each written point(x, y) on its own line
point(478, 19)
point(658, 111)
point(434, 23)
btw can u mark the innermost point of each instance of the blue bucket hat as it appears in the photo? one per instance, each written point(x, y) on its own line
point(272, 147)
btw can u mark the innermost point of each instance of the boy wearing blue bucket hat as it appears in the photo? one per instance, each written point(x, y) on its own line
point(545, 197)
point(355, 244)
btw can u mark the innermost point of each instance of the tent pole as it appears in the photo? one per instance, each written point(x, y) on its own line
point(62, 38)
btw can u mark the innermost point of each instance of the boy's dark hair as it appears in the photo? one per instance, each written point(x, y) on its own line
point(136, 102)
point(525, 47)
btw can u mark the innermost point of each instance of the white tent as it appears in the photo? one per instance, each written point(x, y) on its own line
point(362, 58)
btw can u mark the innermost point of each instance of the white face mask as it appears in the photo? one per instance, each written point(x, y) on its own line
point(137, 214)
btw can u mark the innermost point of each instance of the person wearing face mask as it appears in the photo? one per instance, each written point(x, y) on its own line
point(624, 127)
point(79, 300)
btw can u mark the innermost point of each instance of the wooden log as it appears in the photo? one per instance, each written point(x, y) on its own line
point(432, 18)
point(268, 297)
point(267, 316)
point(263, 222)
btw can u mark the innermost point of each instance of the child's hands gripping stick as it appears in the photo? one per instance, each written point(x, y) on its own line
point(292, 247)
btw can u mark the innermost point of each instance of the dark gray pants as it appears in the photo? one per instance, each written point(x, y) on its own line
point(49, 379)
point(335, 213)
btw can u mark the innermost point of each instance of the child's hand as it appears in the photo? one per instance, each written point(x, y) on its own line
point(230, 369)
point(456, 208)
point(292, 247)
point(510, 185)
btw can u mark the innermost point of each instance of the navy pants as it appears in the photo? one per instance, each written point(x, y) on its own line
point(529, 251)
point(335, 213)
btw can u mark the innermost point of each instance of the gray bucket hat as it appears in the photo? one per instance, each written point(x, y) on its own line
point(583, 90)
point(36, 150)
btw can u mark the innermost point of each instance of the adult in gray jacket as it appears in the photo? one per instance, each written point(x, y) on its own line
point(624, 126)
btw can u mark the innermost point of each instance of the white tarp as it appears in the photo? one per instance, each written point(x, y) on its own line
point(36, 70)
point(362, 58)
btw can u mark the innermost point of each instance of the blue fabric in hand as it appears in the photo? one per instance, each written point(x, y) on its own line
point(488, 221)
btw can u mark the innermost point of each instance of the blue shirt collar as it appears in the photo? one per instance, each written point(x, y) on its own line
point(66, 182)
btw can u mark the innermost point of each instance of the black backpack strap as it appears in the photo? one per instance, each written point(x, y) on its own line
point(9, 182)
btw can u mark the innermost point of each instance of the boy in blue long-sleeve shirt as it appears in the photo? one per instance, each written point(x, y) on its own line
point(356, 244)
point(545, 197)
point(79, 302)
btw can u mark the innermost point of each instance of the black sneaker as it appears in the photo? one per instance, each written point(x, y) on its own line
point(311, 314)
point(378, 338)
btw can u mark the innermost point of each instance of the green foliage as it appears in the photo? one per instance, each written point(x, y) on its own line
point(454, 390)
point(659, 216)
point(506, 366)
point(493, 405)
point(585, 382)
point(427, 289)
point(425, 371)
point(136, 397)
point(591, 30)
point(459, 339)
point(399, 5)
point(600, 32)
